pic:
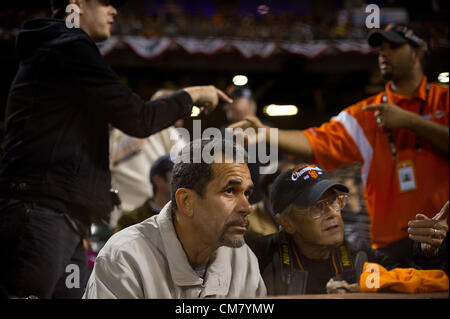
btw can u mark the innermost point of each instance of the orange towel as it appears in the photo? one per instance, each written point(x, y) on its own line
point(377, 278)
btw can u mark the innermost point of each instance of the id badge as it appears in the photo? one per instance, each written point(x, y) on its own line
point(406, 176)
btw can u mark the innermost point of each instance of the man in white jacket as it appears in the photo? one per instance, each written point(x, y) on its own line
point(195, 247)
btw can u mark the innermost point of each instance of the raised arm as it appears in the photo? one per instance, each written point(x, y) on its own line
point(292, 142)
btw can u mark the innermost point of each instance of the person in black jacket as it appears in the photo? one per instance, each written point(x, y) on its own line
point(54, 175)
point(311, 248)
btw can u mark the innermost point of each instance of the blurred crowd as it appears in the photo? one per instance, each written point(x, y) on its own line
point(270, 21)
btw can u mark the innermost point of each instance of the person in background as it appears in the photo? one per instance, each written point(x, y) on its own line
point(243, 105)
point(262, 219)
point(160, 178)
point(194, 248)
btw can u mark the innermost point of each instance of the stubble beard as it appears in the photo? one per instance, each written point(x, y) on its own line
point(231, 242)
point(226, 240)
point(386, 75)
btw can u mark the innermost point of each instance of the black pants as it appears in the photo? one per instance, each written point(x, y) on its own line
point(41, 254)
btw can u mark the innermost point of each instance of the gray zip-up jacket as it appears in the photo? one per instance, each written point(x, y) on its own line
point(147, 260)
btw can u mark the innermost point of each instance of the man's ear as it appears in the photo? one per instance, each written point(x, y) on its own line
point(418, 54)
point(287, 223)
point(79, 3)
point(185, 201)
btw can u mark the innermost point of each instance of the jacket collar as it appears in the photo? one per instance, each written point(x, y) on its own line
point(218, 274)
point(420, 93)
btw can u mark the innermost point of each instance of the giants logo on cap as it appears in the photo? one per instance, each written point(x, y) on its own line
point(389, 26)
point(309, 171)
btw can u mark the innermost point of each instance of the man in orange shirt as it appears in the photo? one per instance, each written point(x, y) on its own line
point(400, 136)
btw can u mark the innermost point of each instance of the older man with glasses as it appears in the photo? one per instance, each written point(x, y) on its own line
point(311, 248)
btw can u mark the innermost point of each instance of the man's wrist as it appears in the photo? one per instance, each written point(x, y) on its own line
point(412, 121)
point(192, 93)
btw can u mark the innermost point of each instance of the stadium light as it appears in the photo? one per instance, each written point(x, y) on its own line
point(443, 77)
point(195, 111)
point(280, 110)
point(240, 80)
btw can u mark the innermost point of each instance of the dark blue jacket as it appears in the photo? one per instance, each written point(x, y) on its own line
point(56, 124)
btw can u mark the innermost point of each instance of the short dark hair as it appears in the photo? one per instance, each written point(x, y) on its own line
point(187, 173)
point(160, 167)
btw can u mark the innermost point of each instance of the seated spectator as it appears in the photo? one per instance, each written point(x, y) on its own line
point(194, 248)
point(160, 177)
point(311, 249)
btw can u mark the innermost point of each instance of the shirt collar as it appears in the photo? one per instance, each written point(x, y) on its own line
point(421, 93)
point(218, 274)
point(180, 268)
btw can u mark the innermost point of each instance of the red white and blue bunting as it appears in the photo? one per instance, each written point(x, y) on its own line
point(150, 48)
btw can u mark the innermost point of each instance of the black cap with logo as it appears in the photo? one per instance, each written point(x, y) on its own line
point(399, 34)
point(303, 185)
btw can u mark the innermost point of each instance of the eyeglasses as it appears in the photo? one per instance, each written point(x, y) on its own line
point(321, 207)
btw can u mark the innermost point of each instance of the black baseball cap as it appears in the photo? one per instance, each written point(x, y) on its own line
point(161, 166)
point(303, 185)
point(58, 4)
point(399, 34)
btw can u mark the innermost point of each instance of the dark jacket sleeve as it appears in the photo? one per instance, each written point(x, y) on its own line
point(439, 261)
point(103, 93)
point(262, 246)
point(375, 256)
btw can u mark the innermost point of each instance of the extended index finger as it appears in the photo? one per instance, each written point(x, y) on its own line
point(241, 124)
point(223, 96)
point(373, 107)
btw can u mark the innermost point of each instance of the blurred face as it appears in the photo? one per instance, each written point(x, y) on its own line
point(395, 61)
point(239, 109)
point(162, 183)
point(327, 230)
point(96, 18)
point(220, 215)
point(353, 203)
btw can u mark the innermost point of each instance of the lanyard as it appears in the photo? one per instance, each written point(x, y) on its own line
point(389, 133)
